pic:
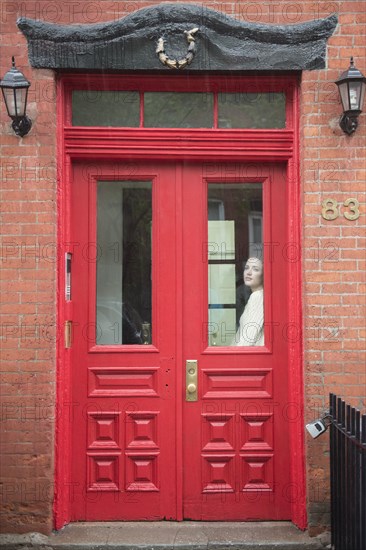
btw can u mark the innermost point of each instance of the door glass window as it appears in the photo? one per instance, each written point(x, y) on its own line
point(235, 264)
point(124, 225)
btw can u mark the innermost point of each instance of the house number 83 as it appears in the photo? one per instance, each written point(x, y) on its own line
point(331, 209)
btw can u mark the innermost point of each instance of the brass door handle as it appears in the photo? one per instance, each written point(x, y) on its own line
point(191, 380)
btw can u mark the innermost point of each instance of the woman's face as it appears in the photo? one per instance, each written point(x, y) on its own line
point(253, 274)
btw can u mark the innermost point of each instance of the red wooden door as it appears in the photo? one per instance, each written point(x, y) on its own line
point(145, 446)
point(124, 456)
point(236, 436)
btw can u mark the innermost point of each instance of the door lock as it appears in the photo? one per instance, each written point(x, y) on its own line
point(191, 380)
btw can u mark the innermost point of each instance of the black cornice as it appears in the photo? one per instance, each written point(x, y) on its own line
point(221, 43)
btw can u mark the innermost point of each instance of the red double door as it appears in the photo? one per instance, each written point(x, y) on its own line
point(170, 419)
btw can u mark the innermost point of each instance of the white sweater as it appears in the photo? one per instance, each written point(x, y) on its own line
point(250, 331)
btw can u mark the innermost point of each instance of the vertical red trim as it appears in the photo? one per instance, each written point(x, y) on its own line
point(267, 238)
point(204, 282)
point(67, 106)
point(63, 399)
point(91, 259)
point(179, 342)
point(291, 107)
point(296, 379)
point(155, 252)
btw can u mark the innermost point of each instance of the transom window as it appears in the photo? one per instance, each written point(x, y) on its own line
point(167, 109)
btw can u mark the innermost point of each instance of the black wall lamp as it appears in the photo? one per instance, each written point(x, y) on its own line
point(14, 87)
point(351, 85)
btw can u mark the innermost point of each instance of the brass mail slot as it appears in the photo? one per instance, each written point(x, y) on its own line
point(191, 380)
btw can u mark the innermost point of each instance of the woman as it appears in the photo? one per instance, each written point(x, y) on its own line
point(250, 331)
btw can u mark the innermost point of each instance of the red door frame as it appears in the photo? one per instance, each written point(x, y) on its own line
point(128, 144)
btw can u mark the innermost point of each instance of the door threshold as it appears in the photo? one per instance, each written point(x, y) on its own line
point(166, 535)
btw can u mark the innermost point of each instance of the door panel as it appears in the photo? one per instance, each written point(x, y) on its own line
point(236, 452)
point(123, 385)
point(156, 252)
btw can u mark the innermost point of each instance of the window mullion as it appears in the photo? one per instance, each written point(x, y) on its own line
point(141, 109)
point(216, 110)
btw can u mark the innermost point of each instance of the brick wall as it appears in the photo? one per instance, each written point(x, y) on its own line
point(28, 274)
point(332, 166)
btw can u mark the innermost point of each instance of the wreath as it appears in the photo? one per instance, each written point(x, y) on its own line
point(184, 61)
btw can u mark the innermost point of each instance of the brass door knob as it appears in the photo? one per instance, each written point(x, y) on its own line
point(191, 388)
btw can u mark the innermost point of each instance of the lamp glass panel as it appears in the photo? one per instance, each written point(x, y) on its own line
point(344, 93)
point(20, 100)
point(355, 95)
point(9, 98)
point(252, 110)
point(362, 95)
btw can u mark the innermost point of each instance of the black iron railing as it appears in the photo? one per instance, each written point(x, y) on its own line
point(348, 475)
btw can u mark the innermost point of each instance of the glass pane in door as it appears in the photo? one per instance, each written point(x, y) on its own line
point(235, 264)
point(124, 224)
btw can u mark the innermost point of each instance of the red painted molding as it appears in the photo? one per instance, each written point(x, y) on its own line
point(196, 144)
point(141, 143)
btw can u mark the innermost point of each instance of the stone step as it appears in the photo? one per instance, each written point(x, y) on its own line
point(167, 536)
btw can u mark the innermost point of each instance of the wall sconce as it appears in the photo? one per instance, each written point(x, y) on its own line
point(351, 86)
point(14, 87)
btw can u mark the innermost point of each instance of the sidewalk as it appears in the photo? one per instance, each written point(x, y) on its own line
point(166, 536)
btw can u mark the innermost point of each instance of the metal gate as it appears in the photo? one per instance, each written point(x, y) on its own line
point(348, 475)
